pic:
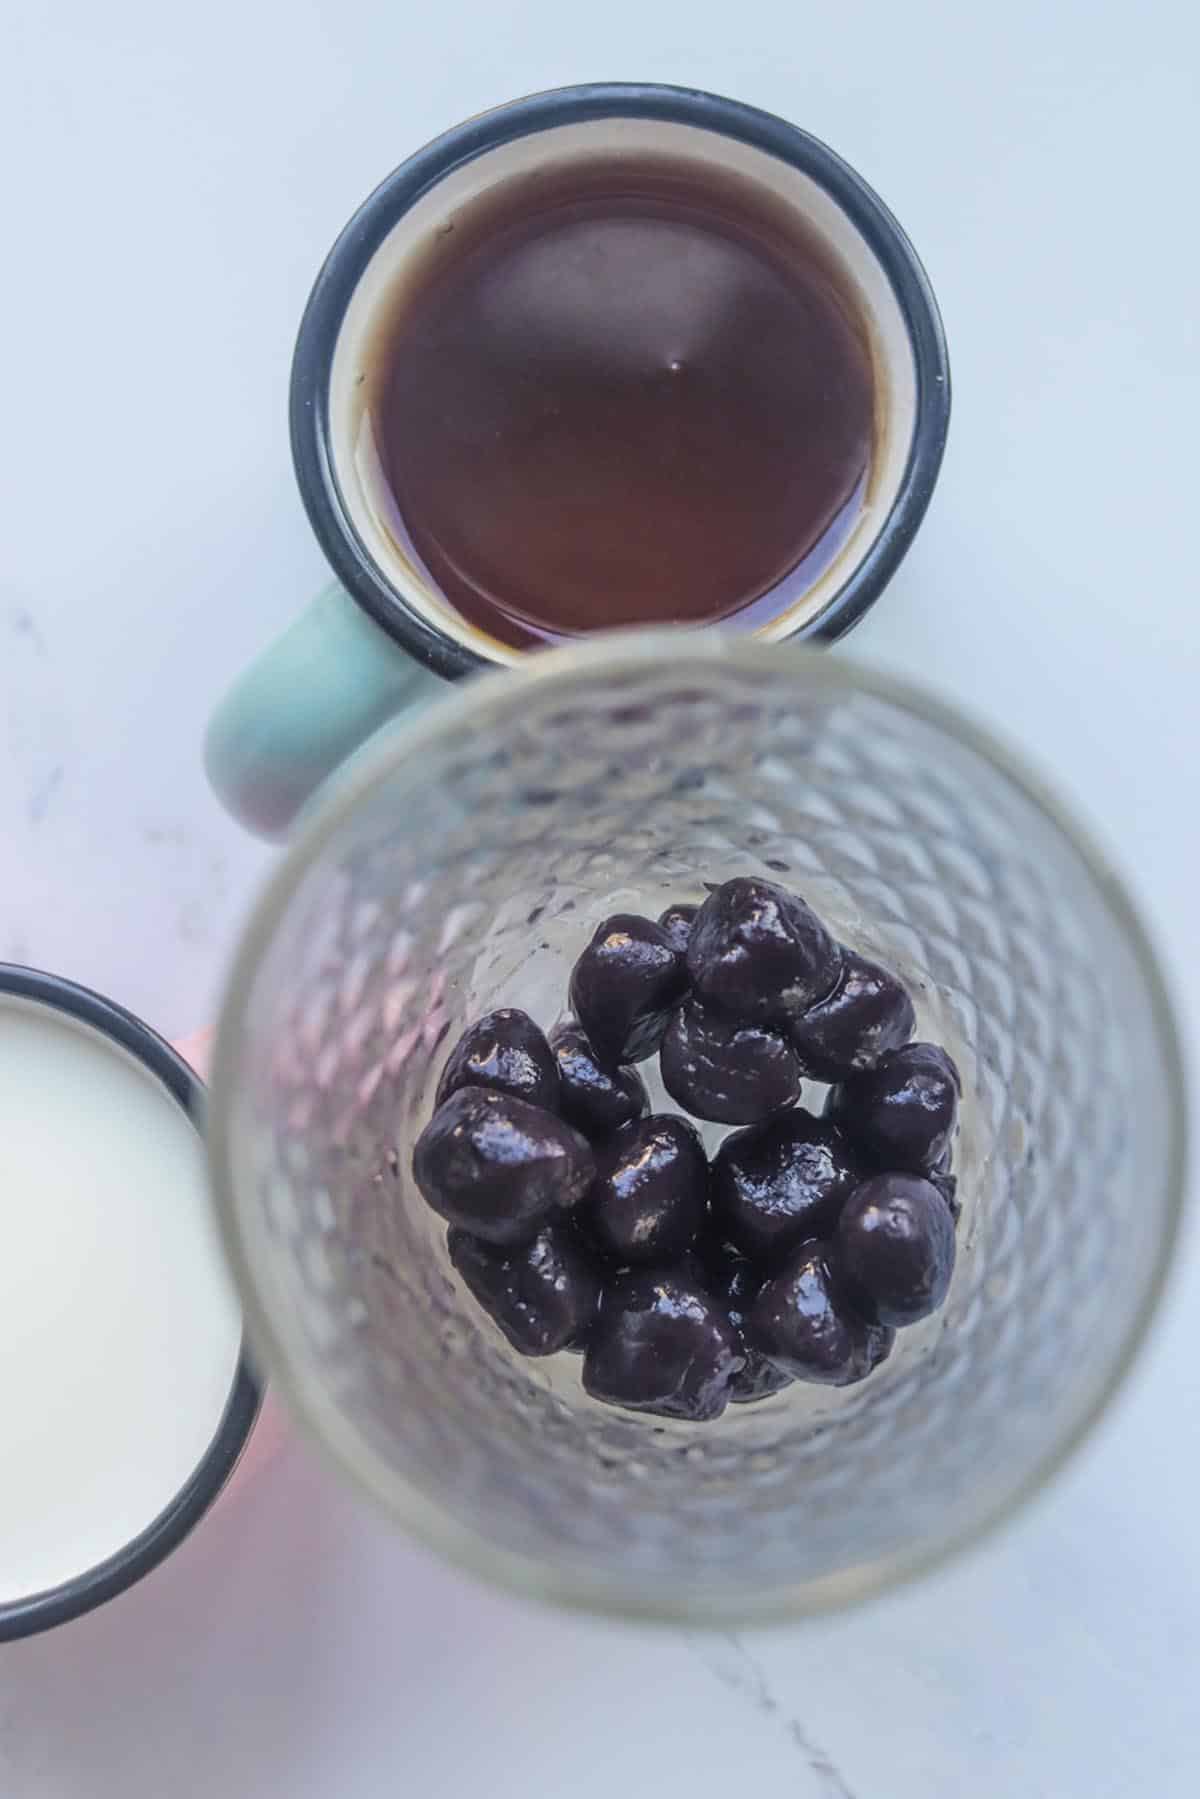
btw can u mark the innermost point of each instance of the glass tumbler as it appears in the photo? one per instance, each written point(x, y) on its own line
point(460, 863)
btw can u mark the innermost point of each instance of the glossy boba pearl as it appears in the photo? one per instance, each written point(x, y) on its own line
point(901, 1113)
point(595, 1101)
point(542, 1294)
point(867, 1014)
point(759, 953)
point(736, 1282)
point(662, 1344)
point(650, 1194)
point(732, 1073)
point(778, 1183)
point(676, 921)
point(496, 1167)
point(506, 1052)
point(801, 1324)
point(894, 1248)
point(625, 986)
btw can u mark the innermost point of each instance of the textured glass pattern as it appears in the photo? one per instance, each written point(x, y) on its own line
point(460, 866)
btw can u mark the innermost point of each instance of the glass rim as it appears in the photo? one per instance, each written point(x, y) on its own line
point(486, 700)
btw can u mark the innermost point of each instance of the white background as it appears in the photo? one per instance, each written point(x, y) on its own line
point(171, 177)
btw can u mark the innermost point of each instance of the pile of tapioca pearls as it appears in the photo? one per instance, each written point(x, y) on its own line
point(580, 1223)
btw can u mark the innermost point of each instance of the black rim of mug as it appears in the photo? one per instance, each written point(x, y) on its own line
point(94, 1586)
point(335, 284)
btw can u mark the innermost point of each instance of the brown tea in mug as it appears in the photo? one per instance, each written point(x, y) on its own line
point(624, 391)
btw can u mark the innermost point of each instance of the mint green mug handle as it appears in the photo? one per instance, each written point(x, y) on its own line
point(303, 706)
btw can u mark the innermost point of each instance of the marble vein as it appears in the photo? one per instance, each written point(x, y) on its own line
point(735, 1667)
point(43, 791)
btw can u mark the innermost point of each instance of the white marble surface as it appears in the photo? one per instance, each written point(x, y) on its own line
point(172, 177)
